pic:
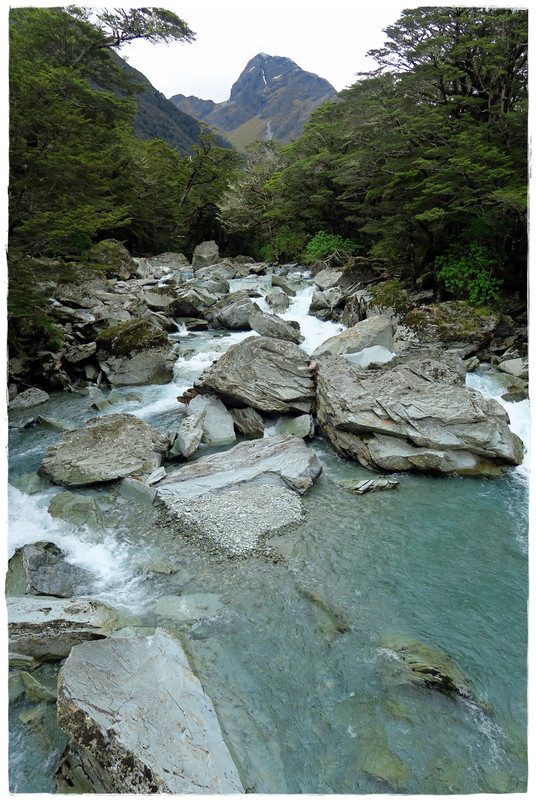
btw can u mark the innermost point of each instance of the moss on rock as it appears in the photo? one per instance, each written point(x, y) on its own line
point(131, 336)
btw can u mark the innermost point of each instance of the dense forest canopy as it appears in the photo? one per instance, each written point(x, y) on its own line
point(421, 163)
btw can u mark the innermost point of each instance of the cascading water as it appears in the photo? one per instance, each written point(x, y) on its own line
point(296, 654)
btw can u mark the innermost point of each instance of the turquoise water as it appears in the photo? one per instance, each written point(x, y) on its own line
point(297, 661)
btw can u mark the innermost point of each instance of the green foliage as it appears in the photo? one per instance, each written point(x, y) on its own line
point(468, 272)
point(327, 246)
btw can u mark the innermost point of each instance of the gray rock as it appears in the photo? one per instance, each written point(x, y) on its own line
point(205, 254)
point(135, 353)
point(106, 448)
point(278, 300)
point(77, 509)
point(29, 398)
point(376, 331)
point(79, 352)
point(327, 278)
point(173, 260)
point(41, 569)
point(264, 373)
point(377, 355)
point(369, 485)
point(222, 269)
point(413, 417)
point(193, 301)
point(518, 367)
point(248, 422)
point(272, 325)
point(289, 288)
point(235, 519)
point(46, 628)
point(138, 491)
point(280, 460)
point(232, 312)
point(136, 710)
point(302, 426)
point(189, 435)
point(217, 423)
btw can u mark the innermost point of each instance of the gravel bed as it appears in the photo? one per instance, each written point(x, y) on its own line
point(236, 519)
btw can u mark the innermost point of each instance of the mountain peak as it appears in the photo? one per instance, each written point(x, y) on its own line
point(272, 98)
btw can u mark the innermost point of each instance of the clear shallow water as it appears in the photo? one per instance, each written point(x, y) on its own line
point(305, 707)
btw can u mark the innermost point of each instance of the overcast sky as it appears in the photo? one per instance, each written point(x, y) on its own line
point(328, 37)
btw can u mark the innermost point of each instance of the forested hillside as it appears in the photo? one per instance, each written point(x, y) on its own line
point(420, 165)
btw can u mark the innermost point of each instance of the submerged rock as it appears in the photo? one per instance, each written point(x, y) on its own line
point(106, 448)
point(368, 485)
point(77, 510)
point(431, 668)
point(140, 720)
point(413, 417)
point(264, 373)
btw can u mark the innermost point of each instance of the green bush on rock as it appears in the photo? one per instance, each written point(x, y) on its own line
point(468, 272)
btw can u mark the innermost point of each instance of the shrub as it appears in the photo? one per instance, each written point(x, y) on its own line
point(328, 245)
point(468, 272)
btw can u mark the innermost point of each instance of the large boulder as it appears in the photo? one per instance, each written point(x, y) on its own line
point(374, 332)
point(272, 325)
point(414, 416)
point(205, 254)
point(106, 448)
point(232, 311)
point(46, 628)
point(281, 460)
point(28, 399)
point(135, 353)
point(264, 373)
point(454, 323)
point(192, 301)
point(140, 720)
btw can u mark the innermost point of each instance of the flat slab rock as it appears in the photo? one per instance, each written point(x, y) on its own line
point(46, 628)
point(279, 460)
point(136, 707)
point(106, 448)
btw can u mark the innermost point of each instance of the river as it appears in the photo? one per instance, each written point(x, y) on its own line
point(305, 707)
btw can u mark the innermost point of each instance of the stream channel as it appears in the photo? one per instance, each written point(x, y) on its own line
point(306, 708)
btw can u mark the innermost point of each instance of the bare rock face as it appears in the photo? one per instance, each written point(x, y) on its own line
point(264, 373)
point(414, 416)
point(106, 448)
point(140, 720)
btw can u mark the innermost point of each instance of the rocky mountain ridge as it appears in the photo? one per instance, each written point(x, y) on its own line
point(272, 99)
